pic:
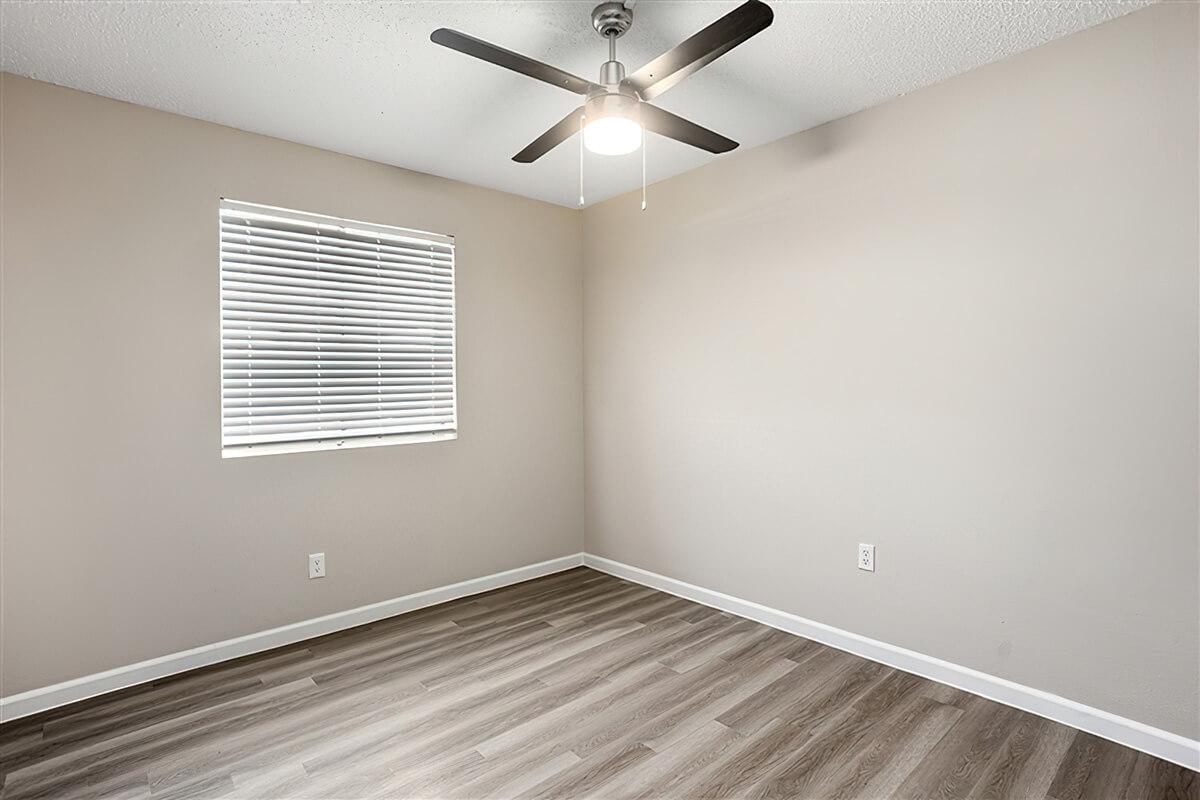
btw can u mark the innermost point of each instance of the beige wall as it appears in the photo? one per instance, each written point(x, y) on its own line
point(961, 326)
point(125, 535)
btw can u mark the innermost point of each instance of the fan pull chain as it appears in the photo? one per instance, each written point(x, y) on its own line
point(582, 117)
point(643, 169)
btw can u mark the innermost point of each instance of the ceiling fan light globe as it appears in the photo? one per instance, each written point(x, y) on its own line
point(612, 136)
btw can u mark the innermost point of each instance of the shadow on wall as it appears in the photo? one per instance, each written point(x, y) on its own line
point(752, 199)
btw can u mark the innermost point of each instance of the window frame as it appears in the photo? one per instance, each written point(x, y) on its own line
point(343, 442)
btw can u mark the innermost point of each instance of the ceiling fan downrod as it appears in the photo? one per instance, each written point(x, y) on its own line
point(612, 20)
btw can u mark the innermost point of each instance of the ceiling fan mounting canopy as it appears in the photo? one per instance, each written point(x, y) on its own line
point(617, 100)
point(612, 19)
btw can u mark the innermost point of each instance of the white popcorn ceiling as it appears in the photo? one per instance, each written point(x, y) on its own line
point(362, 78)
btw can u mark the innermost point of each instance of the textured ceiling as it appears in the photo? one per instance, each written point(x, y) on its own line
point(363, 78)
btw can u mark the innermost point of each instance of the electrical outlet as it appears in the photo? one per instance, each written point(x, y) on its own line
point(316, 565)
point(866, 557)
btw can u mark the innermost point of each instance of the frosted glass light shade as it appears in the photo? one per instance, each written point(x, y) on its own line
point(612, 136)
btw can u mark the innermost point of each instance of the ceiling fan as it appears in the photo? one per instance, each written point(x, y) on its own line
point(615, 110)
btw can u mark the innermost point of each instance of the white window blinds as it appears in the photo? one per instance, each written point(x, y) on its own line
point(333, 333)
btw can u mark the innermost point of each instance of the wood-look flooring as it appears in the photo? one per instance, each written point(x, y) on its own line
point(574, 685)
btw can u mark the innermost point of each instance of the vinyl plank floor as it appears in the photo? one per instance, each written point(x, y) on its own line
point(573, 685)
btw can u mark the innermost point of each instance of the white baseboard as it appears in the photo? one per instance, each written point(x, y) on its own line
point(1156, 742)
point(35, 700)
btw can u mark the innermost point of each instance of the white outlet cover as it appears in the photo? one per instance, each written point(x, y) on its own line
point(866, 557)
point(316, 565)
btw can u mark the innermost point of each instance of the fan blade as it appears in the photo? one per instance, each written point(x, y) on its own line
point(509, 60)
point(703, 48)
point(664, 123)
point(552, 138)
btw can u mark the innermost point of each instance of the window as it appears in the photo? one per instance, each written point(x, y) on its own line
point(333, 333)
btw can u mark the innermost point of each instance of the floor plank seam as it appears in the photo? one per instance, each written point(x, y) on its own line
point(577, 684)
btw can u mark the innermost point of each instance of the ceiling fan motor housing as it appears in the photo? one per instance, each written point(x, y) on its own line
point(612, 104)
point(611, 73)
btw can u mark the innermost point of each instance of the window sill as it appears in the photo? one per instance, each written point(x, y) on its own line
point(349, 443)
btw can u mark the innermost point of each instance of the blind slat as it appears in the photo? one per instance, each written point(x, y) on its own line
point(241, 234)
point(277, 382)
point(301, 278)
point(282, 350)
point(359, 292)
point(237, 403)
point(410, 272)
point(250, 416)
point(335, 426)
point(321, 255)
point(362, 371)
point(292, 339)
point(251, 327)
point(334, 322)
point(332, 329)
point(422, 283)
point(286, 349)
point(383, 430)
point(235, 292)
point(318, 225)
